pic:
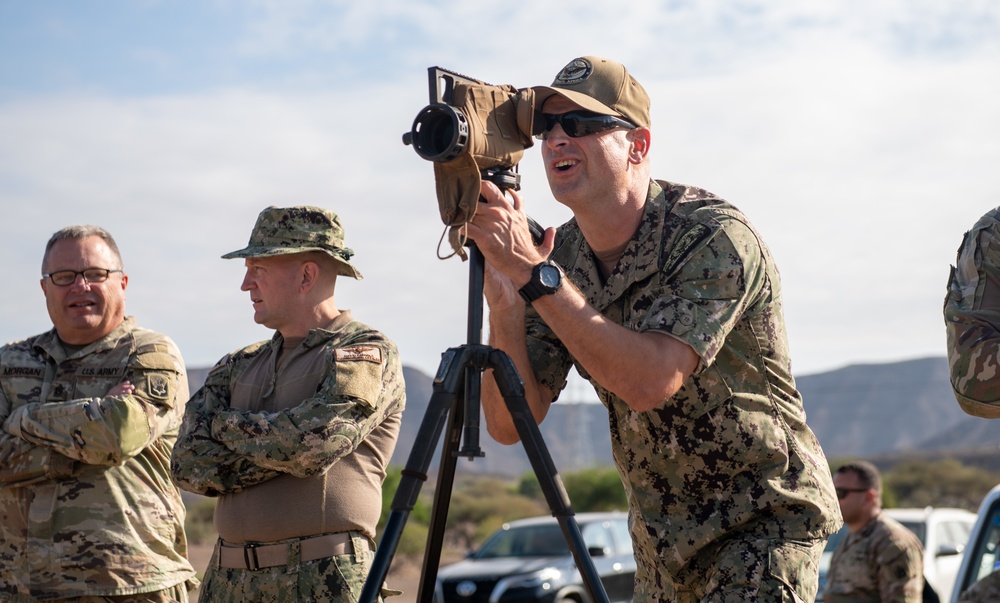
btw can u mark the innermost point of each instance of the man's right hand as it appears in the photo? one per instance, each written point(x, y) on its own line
point(500, 230)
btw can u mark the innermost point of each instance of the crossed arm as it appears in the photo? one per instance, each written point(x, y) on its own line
point(45, 440)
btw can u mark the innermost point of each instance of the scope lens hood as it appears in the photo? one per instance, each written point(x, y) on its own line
point(440, 133)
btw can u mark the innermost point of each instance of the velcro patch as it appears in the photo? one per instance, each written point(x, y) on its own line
point(359, 352)
point(158, 387)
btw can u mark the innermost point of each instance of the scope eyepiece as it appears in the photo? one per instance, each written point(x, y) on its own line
point(440, 133)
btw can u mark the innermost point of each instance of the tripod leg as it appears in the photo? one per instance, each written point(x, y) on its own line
point(512, 389)
point(443, 400)
point(439, 511)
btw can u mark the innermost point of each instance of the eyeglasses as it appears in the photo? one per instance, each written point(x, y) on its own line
point(65, 278)
point(843, 492)
point(579, 123)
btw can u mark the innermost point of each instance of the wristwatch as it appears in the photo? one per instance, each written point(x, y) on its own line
point(546, 278)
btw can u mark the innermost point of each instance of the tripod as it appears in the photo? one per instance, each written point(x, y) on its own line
point(457, 389)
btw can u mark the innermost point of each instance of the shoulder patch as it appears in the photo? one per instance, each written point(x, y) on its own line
point(356, 353)
point(674, 253)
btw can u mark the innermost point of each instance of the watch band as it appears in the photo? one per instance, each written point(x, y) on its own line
point(541, 283)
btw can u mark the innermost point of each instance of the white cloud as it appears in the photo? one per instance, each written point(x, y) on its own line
point(860, 138)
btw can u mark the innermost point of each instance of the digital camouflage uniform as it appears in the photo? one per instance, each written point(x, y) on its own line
point(883, 562)
point(87, 506)
point(225, 451)
point(730, 454)
point(972, 318)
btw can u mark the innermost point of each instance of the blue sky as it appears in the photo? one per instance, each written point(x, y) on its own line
point(861, 138)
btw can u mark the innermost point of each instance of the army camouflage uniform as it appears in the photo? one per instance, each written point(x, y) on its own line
point(986, 590)
point(883, 562)
point(728, 462)
point(87, 507)
point(972, 318)
point(240, 437)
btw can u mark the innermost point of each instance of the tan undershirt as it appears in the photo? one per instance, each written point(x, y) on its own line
point(346, 497)
point(607, 260)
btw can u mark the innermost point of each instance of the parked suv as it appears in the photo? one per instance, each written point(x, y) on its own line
point(982, 558)
point(529, 561)
point(944, 533)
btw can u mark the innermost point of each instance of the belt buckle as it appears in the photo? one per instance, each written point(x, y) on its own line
point(250, 552)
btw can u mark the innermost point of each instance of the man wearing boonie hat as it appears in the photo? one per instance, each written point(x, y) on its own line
point(293, 435)
point(666, 299)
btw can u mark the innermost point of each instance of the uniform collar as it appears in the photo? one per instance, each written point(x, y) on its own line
point(50, 344)
point(319, 335)
point(638, 261)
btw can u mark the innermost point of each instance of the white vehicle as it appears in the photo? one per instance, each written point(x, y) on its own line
point(982, 558)
point(944, 533)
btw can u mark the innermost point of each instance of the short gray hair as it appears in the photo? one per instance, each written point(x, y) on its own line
point(82, 231)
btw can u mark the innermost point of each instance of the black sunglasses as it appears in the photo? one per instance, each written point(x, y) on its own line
point(578, 123)
point(843, 492)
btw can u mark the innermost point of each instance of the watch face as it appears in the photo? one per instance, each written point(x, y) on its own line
point(549, 275)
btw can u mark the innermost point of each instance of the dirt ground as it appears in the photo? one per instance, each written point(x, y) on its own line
point(403, 575)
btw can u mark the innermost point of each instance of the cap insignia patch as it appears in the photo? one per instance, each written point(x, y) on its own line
point(577, 71)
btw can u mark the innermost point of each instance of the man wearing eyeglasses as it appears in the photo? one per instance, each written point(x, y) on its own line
point(664, 297)
point(880, 559)
point(90, 412)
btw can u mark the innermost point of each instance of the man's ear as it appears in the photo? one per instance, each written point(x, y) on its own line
point(308, 275)
point(639, 149)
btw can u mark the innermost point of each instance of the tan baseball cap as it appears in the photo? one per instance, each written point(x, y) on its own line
point(602, 86)
point(287, 230)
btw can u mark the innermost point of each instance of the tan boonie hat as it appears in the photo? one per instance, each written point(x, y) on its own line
point(601, 86)
point(287, 230)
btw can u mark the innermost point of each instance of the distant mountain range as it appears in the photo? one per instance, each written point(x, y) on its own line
point(889, 410)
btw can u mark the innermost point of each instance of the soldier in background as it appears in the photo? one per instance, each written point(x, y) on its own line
point(972, 318)
point(90, 411)
point(880, 559)
point(294, 434)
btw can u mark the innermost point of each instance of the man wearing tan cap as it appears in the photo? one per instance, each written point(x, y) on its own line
point(294, 434)
point(665, 298)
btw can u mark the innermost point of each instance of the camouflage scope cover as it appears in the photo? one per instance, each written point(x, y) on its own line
point(487, 127)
